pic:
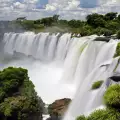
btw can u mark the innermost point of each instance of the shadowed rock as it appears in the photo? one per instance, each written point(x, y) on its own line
point(103, 39)
point(116, 77)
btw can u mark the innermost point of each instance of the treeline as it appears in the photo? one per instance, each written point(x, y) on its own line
point(95, 23)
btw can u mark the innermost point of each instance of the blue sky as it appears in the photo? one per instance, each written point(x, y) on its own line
point(67, 9)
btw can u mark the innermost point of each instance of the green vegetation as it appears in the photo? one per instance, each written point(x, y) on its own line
point(97, 84)
point(82, 117)
point(112, 96)
point(117, 53)
point(106, 25)
point(105, 114)
point(18, 99)
point(112, 102)
point(118, 34)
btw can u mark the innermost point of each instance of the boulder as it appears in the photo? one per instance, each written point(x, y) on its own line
point(59, 107)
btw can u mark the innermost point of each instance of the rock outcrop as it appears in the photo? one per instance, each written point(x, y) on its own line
point(58, 108)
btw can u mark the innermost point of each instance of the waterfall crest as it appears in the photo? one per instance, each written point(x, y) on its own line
point(84, 61)
point(42, 46)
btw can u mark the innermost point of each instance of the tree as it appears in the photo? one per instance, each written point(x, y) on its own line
point(118, 34)
point(112, 25)
point(75, 23)
point(18, 99)
point(47, 21)
point(55, 18)
point(95, 20)
point(119, 17)
point(111, 15)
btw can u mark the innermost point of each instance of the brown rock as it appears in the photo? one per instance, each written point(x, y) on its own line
point(59, 106)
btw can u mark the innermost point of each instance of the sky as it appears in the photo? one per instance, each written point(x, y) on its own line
point(67, 9)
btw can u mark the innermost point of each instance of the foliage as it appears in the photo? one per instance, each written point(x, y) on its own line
point(112, 25)
point(10, 80)
point(95, 23)
point(95, 20)
point(55, 18)
point(119, 17)
point(117, 53)
point(104, 114)
point(118, 34)
point(97, 84)
point(18, 99)
point(112, 96)
point(75, 23)
point(111, 16)
point(82, 117)
point(106, 32)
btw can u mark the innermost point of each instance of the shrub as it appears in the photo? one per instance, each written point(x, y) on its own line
point(106, 32)
point(105, 114)
point(102, 31)
point(97, 84)
point(112, 96)
point(82, 117)
point(97, 115)
point(118, 34)
point(117, 53)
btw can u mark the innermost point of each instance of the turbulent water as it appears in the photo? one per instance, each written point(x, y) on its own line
point(61, 66)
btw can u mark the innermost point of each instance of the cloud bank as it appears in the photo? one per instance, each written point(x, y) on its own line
point(67, 9)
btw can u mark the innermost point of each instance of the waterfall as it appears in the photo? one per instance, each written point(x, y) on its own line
point(61, 66)
point(42, 46)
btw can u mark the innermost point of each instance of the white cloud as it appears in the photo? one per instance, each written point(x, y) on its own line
point(19, 5)
point(51, 7)
point(67, 9)
point(62, 4)
point(31, 1)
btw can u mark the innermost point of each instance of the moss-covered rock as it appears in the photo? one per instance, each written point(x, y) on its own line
point(97, 84)
point(18, 99)
point(112, 96)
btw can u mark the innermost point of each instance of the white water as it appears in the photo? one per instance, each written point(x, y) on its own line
point(63, 66)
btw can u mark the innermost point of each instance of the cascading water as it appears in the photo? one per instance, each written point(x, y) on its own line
point(61, 66)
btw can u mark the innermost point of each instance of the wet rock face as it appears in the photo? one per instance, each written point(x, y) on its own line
point(103, 39)
point(59, 107)
point(116, 77)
